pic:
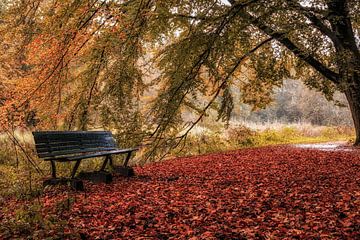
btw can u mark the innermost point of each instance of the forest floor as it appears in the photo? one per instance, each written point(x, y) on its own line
point(255, 193)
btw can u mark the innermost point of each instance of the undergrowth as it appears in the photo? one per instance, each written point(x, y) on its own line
point(241, 136)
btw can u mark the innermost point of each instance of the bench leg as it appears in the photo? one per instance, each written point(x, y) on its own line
point(127, 159)
point(111, 161)
point(123, 170)
point(107, 158)
point(77, 164)
point(53, 169)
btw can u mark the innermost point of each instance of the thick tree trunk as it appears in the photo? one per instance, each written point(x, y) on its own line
point(348, 57)
point(352, 93)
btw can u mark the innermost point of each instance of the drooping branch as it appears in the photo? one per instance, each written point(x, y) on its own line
point(97, 69)
point(195, 17)
point(285, 41)
point(303, 55)
point(340, 22)
point(164, 122)
point(316, 21)
point(223, 84)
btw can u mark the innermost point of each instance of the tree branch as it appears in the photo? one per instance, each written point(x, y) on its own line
point(317, 22)
point(340, 22)
point(223, 84)
point(285, 41)
point(204, 18)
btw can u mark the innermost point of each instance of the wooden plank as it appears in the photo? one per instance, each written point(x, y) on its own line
point(99, 154)
point(69, 132)
point(70, 137)
point(74, 151)
point(73, 136)
point(51, 139)
point(90, 155)
point(55, 134)
point(76, 142)
point(45, 149)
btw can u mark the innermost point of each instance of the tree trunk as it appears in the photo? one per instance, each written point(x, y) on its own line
point(352, 93)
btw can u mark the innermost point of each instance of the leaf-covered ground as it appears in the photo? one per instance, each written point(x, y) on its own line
point(260, 193)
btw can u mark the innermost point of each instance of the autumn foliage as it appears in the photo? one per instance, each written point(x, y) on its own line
point(261, 193)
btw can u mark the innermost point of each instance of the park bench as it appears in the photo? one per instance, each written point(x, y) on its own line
point(68, 146)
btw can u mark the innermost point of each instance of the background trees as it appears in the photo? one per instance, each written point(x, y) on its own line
point(295, 103)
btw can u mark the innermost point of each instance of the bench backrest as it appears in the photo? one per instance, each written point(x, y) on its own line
point(50, 144)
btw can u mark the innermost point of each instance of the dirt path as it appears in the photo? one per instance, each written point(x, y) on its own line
point(260, 193)
point(341, 146)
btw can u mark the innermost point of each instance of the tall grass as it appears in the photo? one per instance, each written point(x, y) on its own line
point(206, 140)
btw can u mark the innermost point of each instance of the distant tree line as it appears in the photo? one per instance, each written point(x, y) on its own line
point(294, 103)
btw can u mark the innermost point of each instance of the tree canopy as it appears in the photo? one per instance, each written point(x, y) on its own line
point(137, 65)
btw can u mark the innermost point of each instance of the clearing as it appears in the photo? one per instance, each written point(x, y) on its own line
point(255, 193)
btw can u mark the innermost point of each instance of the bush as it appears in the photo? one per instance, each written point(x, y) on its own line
point(269, 137)
point(242, 136)
point(290, 132)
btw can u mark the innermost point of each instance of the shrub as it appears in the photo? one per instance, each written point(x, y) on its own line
point(242, 136)
point(289, 132)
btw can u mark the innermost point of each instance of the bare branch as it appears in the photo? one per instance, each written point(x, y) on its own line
point(204, 18)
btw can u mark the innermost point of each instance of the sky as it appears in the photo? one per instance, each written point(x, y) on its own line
point(226, 2)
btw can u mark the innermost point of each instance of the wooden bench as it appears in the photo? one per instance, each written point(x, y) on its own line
point(66, 146)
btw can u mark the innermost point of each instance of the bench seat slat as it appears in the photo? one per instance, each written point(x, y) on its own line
point(41, 149)
point(98, 154)
point(74, 151)
point(58, 135)
point(90, 155)
point(74, 140)
point(50, 148)
point(54, 136)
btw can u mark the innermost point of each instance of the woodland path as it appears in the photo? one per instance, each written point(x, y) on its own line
point(328, 146)
point(255, 193)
